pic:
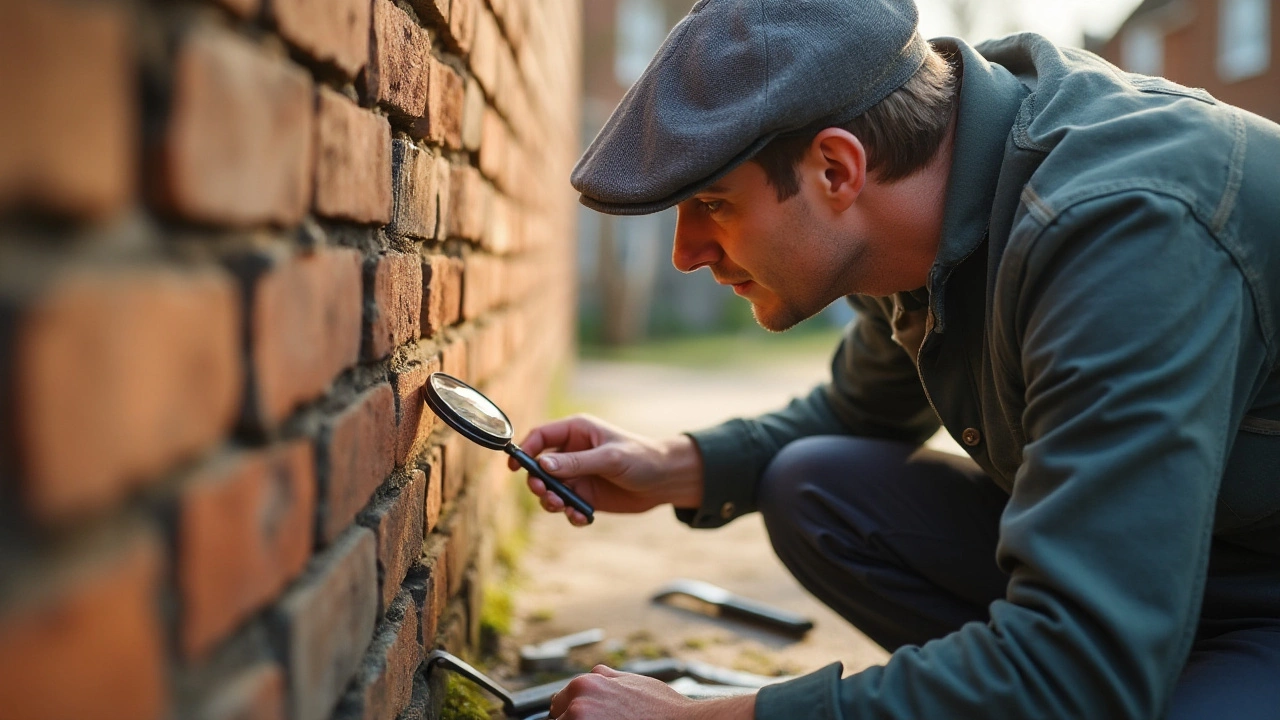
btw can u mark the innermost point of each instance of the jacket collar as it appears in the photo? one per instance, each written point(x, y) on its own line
point(990, 97)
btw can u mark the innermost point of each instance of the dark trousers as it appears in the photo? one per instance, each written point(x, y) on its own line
point(901, 542)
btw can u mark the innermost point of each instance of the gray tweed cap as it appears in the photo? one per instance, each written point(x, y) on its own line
point(733, 75)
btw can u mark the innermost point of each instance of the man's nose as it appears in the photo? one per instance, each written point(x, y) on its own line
point(694, 247)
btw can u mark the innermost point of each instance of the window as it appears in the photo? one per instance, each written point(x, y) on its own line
point(1244, 38)
point(640, 30)
point(1142, 50)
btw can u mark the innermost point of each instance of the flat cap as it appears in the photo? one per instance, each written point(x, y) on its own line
point(733, 75)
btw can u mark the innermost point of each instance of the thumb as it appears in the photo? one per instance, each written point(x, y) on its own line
point(604, 461)
point(606, 671)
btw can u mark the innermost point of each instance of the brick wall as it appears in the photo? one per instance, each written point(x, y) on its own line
point(235, 238)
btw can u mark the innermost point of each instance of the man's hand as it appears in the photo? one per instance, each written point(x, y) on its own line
point(606, 694)
point(613, 470)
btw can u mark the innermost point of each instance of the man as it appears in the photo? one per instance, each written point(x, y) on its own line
point(1076, 270)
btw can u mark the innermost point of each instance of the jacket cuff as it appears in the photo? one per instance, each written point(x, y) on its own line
point(729, 475)
point(814, 696)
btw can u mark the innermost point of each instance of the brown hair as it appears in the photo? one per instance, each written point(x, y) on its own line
point(901, 133)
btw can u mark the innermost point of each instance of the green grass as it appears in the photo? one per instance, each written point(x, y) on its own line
point(741, 348)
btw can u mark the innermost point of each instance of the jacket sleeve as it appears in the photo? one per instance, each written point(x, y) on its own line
point(874, 391)
point(1135, 339)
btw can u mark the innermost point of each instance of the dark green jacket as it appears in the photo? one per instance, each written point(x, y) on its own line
point(1102, 339)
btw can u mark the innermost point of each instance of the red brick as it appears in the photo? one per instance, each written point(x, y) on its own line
point(394, 282)
point(335, 32)
point(254, 693)
point(493, 146)
point(353, 161)
point(416, 421)
point(453, 358)
point(483, 59)
point(469, 203)
point(67, 62)
point(384, 685)
point(461, 546)
point(451, 291)
point(462, 24)
point(305, 329)
point(118, 377)
point(325, 623)
point(238, 148)
point(99, 629)
point(498, 237)
point(435, 490)
point(396, 519)
point(415, 191)
point(441, 123)
point(442, 292)
point(356, 454)
point(397, 75)
point(244, 532)
point(473, 110)
point(444, 195)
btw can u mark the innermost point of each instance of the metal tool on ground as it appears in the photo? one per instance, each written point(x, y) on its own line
point(728, 604)
point(476, 418)
point(689, 678)
point(552, 655)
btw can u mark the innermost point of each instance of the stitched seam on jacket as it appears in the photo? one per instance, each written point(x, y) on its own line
point(1235, 175)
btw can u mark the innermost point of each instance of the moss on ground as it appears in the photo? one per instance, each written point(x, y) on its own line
point(465, 701)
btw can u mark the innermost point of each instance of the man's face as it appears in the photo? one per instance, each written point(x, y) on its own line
point(790, 259)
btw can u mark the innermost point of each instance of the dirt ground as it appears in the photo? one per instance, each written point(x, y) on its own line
point(603, 576)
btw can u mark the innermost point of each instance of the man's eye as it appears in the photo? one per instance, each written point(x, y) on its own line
point(711, 205)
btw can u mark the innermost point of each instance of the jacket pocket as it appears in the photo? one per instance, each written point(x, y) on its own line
point(1251, 485)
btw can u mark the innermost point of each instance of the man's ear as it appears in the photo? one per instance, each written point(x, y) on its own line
point(837, 162)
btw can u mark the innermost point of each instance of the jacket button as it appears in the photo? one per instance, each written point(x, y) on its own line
point(971, 436)
point(726, 510)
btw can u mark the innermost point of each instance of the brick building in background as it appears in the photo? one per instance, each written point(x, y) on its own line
point(235, 237)
point(1228, 47)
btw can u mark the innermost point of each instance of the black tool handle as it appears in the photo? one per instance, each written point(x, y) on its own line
point(570, 497)
point(745, 609)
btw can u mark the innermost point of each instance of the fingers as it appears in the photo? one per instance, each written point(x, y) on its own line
point(605, 461)
point(575, 433)
point(552, 503)
point(606, 671)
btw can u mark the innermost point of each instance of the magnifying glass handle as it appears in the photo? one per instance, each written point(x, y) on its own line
point(570, 497)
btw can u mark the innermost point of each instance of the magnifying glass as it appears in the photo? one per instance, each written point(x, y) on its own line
point(477, 419)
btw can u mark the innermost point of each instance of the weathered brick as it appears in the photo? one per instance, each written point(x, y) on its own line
point(100, 627)
point(244, 532)
point(397, 74)
point(396, 519)
point(435, 490)
point(357, 448)
point(444, 197)
point(498, 237)
point(353, 161)
point(451, 291)
point(462, 24)
point(394, 283)
point(118, 376)
point(67, 61)
point(238, 147)
point(469, 203)
point(335, 32)
point(416, 421)
point(323, 625)
point(384, 684)
point(483, 59)
point(462, 536)
point(254, 693)
point(441, 123)
point(305, 329)
point(415, 191)
point(473, 109)
point(442, 293)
